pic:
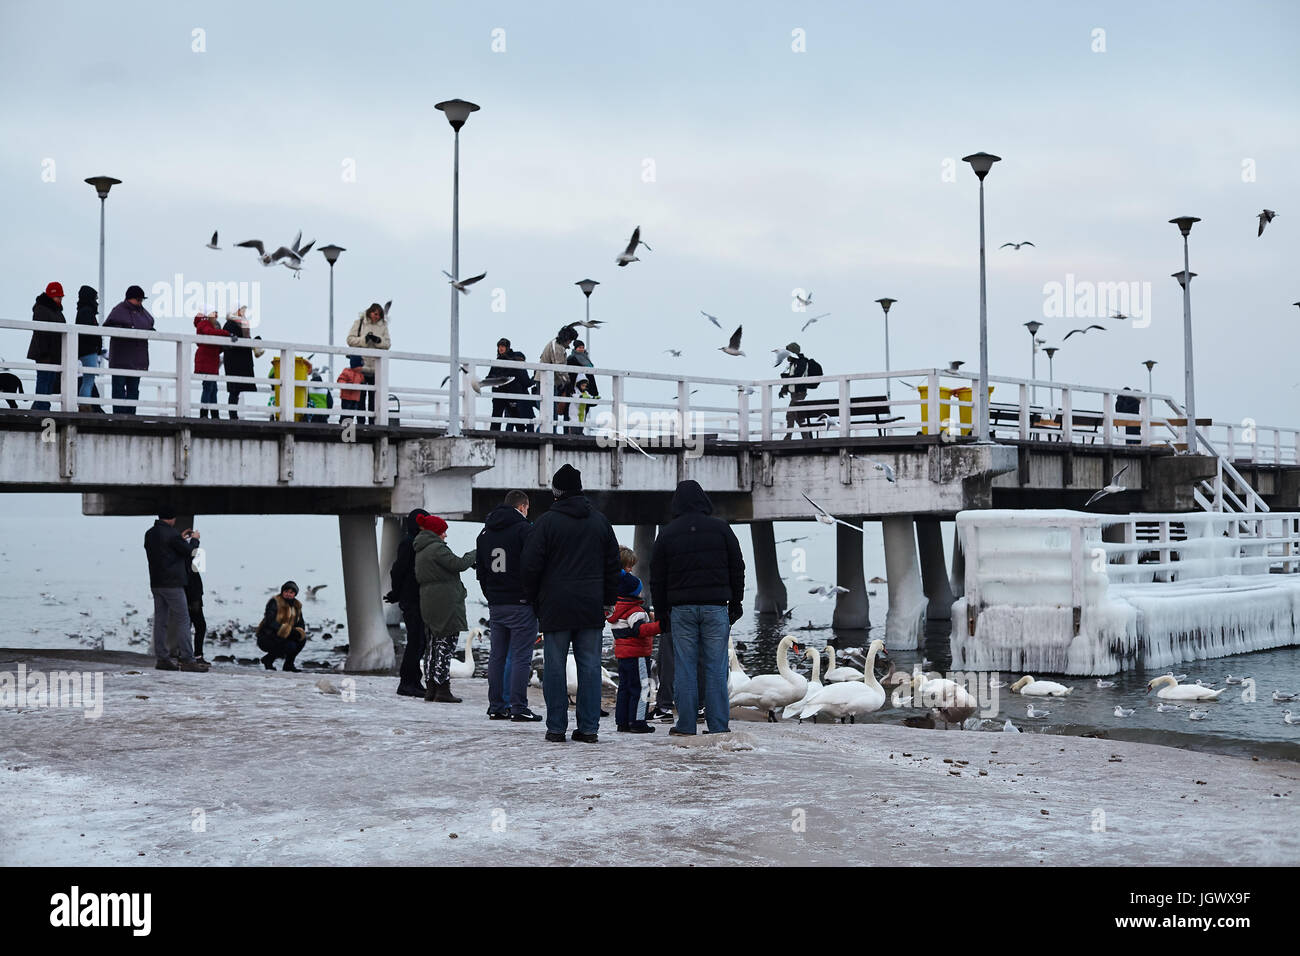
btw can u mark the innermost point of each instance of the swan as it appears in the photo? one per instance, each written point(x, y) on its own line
point(835, 674)
point(1039, 688)
point(951, 702)
point(571, 677)
point(1170, 689)
point(736, 677)
point(465, 668)
point(770, 691)
point(814, 684)
point(850, 698)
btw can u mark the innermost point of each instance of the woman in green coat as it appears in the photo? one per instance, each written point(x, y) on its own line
point(442, 602)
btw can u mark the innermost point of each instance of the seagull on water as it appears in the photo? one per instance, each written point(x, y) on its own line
point(1265, 217)
point(1279, 697)
point(1017, 245)
point(825, 517)
point(828, 591)
point(711, 318)
point(1010, 728)
point(1085, 330)
point(1113, 488)
point(1234, 680)
point(1165, 708)
point(1198, 714)
point(1036, 714)
point(213, 243)
point(812, 320)
point(629, 254)
point(1103, 684)
point(1123, 711)
point(733, 345)
point(1287, 718)
point(464, 284)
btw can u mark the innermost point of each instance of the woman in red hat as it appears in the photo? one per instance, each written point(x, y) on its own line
point(47, 347)
point(207, 361)
point(442, 602)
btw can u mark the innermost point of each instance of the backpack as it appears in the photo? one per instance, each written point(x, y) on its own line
point(814, 368)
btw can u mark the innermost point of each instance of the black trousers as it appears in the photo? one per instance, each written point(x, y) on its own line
point(502, 408)
point(200, 626)
point(413, 656)
point(278, 646)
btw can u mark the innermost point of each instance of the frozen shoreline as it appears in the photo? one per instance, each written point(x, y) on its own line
point(286, 774)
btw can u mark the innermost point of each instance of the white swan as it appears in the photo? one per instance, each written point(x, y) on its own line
point(850, 699)
point(835, 674)
point(736, 677)
point(814, 684)
point(571, 677)
point(950, 701)
point(1170, 689)
point(770, 691)
point(1039, 688)
point(465, 668)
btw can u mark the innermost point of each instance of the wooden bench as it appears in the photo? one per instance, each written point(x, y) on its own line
point(863, 410)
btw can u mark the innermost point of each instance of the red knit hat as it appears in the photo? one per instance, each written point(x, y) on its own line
point(54, 289)
point(431, 523)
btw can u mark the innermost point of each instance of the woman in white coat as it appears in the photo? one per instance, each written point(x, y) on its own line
point(370, 331)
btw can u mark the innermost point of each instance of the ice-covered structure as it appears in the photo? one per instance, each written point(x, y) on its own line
point(1073, 593)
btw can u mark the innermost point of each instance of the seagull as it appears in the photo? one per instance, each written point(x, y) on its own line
point(812, 320)
point(802, 301)
point(1198, 714)
point(1010, 728)
point(629, 254)
point(994, 682)
point(792, 540)
point(1287, 718)
point(733, 345)
point(464, 284)
point(1234, 680)
point(1201, 683)
point(492, 381)
point(1265, 217)
point(1103, 684)
point(292, 257)
point(828, 591)
point(782, 355)
point(628, 438)
point(1017, 245)
point(675, 353)
point(890, 475)
point(955, 364)
point(310, 592)
point(1123, 711)
point(213, 243)
point(825, 517)
point(1120, 316)
point(1279, 697)
point(1084, 331)
point(1113, 488)
point(265, 259)
point(388, 307)
point(464, 369)
point(1036, 714)
point(587, 323)
point(711, 318)
point(1165, 708)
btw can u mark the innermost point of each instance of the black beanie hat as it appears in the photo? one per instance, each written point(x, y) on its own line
point(289, 586)
point(567, 479)
point(166, 514)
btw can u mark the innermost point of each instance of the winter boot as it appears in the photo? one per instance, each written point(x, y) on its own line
point(443, 694)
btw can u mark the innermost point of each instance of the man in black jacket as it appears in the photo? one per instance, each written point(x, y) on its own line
point(570, 574)
point(512, 620)
point(169, 553)
point(88, 346)
point(46, 348)
point(405, 593)
point(502, 407)
point(697, 577)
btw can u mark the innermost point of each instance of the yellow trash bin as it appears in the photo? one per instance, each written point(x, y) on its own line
point(945, 408)
point(947, 398)
point(301, 371)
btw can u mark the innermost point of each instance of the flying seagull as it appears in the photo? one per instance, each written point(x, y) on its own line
point(733, 345)
point(782, 355)
point(292, 257)
point(464, 284)
point(1119, 315)
point(629, 254)
point(802, 301)
point(1113, 488)
point(890, 476)
point(1084, 331)
point(213, 243)
point(1017, 245)
point(825, 517)
point(955, 364)
point(828, 591)
point(711, 318)
point(257, 244)
point(388, 307)
point(793, 540)
point(675, 353)
point(628, 438)
point(1265, 217)
point(812, 320)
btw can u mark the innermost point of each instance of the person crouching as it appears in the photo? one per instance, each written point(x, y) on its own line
point(634, 634)
point(282, 633)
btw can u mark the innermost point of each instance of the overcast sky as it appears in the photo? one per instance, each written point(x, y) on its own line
point(773, 169)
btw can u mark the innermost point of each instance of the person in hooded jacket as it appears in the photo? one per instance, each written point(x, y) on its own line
point(238, 360)
point(88, 346)
point(129, 354)
point(47, 347)
point(522, 384)
point(169, 553)
point(405, 593)
point(502, 407)
point(556, 352)
point(442, 603)
point(283, 632)
point(697, 577)
point(370, 331)
point(207, 361)
point(512, 620)
point(570, 574)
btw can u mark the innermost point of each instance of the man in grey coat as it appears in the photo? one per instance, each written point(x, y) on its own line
point(169, 553)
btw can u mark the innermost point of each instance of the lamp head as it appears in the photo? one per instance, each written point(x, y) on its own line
point(331, 253)
point(587, 286)
point(1150, 364)
point(1184, 223)
point(886, 303)
point(1051, 350)
point(981, 163)
point(1033, 327)
point(102, 184)
point(457, 111)
point(1183, 277)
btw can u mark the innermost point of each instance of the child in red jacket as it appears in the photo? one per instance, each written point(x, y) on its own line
point(207, 361)
point(634, 634)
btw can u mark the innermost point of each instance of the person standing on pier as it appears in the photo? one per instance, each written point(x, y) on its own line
point(697, 576)
point(523, 384)
point(512, 620)
point(404, 591)
point(581, 386)
point(283, 632)
point(239, 361)
point(798, 365)
point(207, 361)
point(169, 553)
point(570, 574)
point(370, 331)
point(88, 346)
point(442, 603)
point(129, 354)
point(502, 407)
point(46, 348)
point(557, 353)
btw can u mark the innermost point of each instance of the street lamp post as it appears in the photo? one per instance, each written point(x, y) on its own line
point(981, 163)
point(588, 286)
point(1150, 364)
point(1184, 224)
point(885, 304)
point(1033, 328)
point(457, 112)
point(331, 253)
point(102, 185)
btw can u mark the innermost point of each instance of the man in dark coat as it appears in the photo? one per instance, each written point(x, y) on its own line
point(238, 360)
point(47, 347)
point(570, 574)
point(129, 354)
point(404, 591)
point(502, 407)
point(697, 577)
point(88, 346)
point(513, 623)
point(169, 553)
point(522, 384)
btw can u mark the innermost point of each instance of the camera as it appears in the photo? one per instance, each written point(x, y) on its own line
point(371, 337)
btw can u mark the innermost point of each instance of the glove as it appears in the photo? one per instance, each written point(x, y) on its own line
point(609, 609)
point(734, 612)
point(371, 337)
point(390, 598)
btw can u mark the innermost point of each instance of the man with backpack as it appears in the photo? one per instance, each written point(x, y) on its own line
point(799, 365)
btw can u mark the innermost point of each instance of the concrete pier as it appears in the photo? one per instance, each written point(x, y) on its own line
point(903, 623)
point(643, 543)
point(370, 648)
point(938, 590)
point(771, 597)
point(852, 610)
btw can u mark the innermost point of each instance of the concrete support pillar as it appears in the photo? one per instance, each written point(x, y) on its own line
point(771, 596)
point(643, 543)
point(938, 592)
point(958, 579)
point(369, 646)
point(389, 538)
point(852, 610)
point(903, 623)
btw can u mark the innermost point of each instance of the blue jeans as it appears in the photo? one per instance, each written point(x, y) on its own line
point(125, 388)
point(209, 396)
point(700, 636)
point(87, 380)
point(555, 683)
point(47, 383)
point(513, 633)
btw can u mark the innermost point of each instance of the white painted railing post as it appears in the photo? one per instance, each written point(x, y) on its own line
point(1025, 412)
point(546, 411)
point(1146, 420)
point(1277, 446)
point(70, 361)
point(1067, 415)
point(1107, 418)
point(286, 385)
point(742, 407)
point(932, 400)
point(846, 416)
point(183, 380)
point(682, 425)
point(381, 390)
point(1232, 442)
point(766, 427)
point(618, 414)
point(468, 405)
